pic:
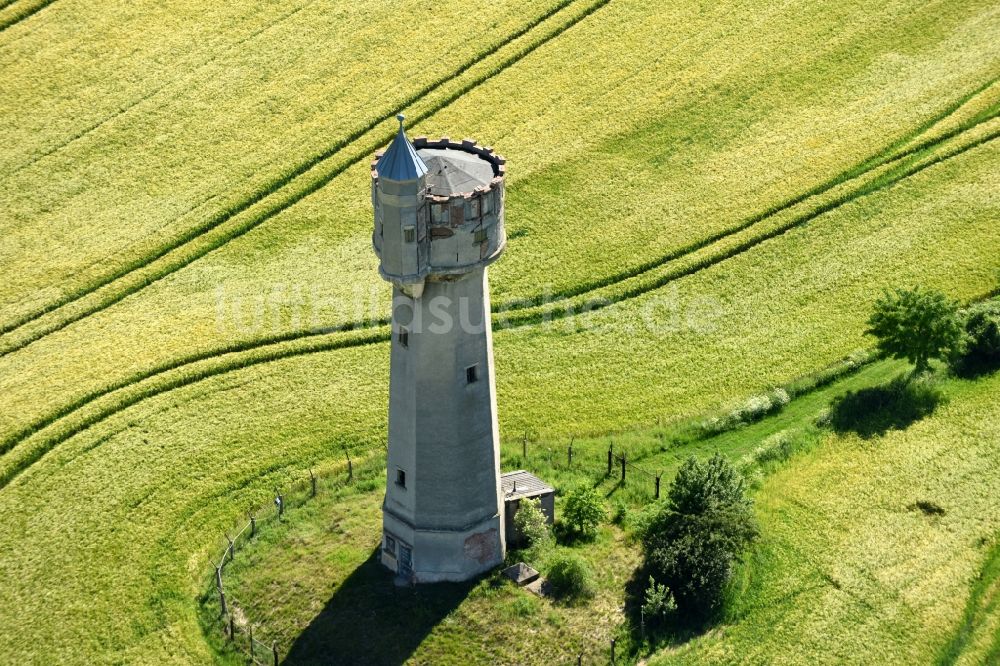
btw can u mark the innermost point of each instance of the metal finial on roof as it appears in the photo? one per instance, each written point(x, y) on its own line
point(400, 117)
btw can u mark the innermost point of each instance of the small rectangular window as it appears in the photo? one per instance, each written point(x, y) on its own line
point(472, 374)
point(400, 478)
point(404, 337)
point(409, 234)
point(481, 236)
point(390, 545)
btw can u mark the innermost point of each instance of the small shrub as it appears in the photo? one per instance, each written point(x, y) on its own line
point(583, 511)
point(751, 411)
point(776, 448)
point(981, 350)
point(570, 577)
point(657, 602)
point(779, 399)
point(531, 523)
point(754, 409)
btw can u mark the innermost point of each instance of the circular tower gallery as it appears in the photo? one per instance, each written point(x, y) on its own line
point(438, 225)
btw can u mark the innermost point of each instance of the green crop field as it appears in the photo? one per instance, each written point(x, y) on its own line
point(191, 314)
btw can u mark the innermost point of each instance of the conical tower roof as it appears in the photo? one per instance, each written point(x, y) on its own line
point(400, 162)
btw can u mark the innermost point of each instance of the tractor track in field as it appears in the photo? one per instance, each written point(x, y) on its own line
point(157, 90)
point(184, 250)
point(25, 13)
point(217, 362)
point(895, 151)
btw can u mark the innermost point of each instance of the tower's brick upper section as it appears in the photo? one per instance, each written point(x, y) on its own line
point(432, 228)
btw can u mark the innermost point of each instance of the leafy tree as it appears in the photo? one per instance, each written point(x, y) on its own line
point(694, 540)
point(916, 325)
point(531, 523)
point(570, 577)
point(584, 511)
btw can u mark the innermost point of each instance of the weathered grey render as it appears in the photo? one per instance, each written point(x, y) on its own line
point(438, 225)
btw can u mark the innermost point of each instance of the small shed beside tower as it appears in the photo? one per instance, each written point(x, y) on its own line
point(520, 485)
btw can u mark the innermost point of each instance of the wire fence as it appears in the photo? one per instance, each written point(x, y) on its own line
point(233, 620)
point(615, 463)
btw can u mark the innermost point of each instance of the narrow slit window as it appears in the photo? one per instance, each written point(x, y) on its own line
point(409, 234)
point(390, 545)
point(400, 478)
point(472, 374)
point(404, 337)
point(481, 235)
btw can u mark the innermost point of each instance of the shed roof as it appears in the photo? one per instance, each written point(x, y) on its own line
point(520, 484)
point(400, 161)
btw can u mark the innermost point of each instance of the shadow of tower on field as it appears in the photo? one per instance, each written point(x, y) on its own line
point(369, 620)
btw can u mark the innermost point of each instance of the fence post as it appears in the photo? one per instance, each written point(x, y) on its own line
point(657, 496)
point(274, 651)
point(218, 585)
point(524, 446)
point(231, 549)
point(610, 455)
point(312, 481)
point(250, 630)
point(579, 659)
point(253, 524)
point(232, 628)
point(279, 501)
point(569, 454)
point(612, 650)
point(623, 467)
point(350, 468)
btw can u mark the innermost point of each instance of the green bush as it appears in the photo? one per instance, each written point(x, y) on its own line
point(777, 448)
point(753, 410)
point(570, 577)
point(981, 349)
point(531, 523)
point(695, 538)
point(584, 511)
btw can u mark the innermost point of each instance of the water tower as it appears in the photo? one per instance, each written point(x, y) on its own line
point(438, 224)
